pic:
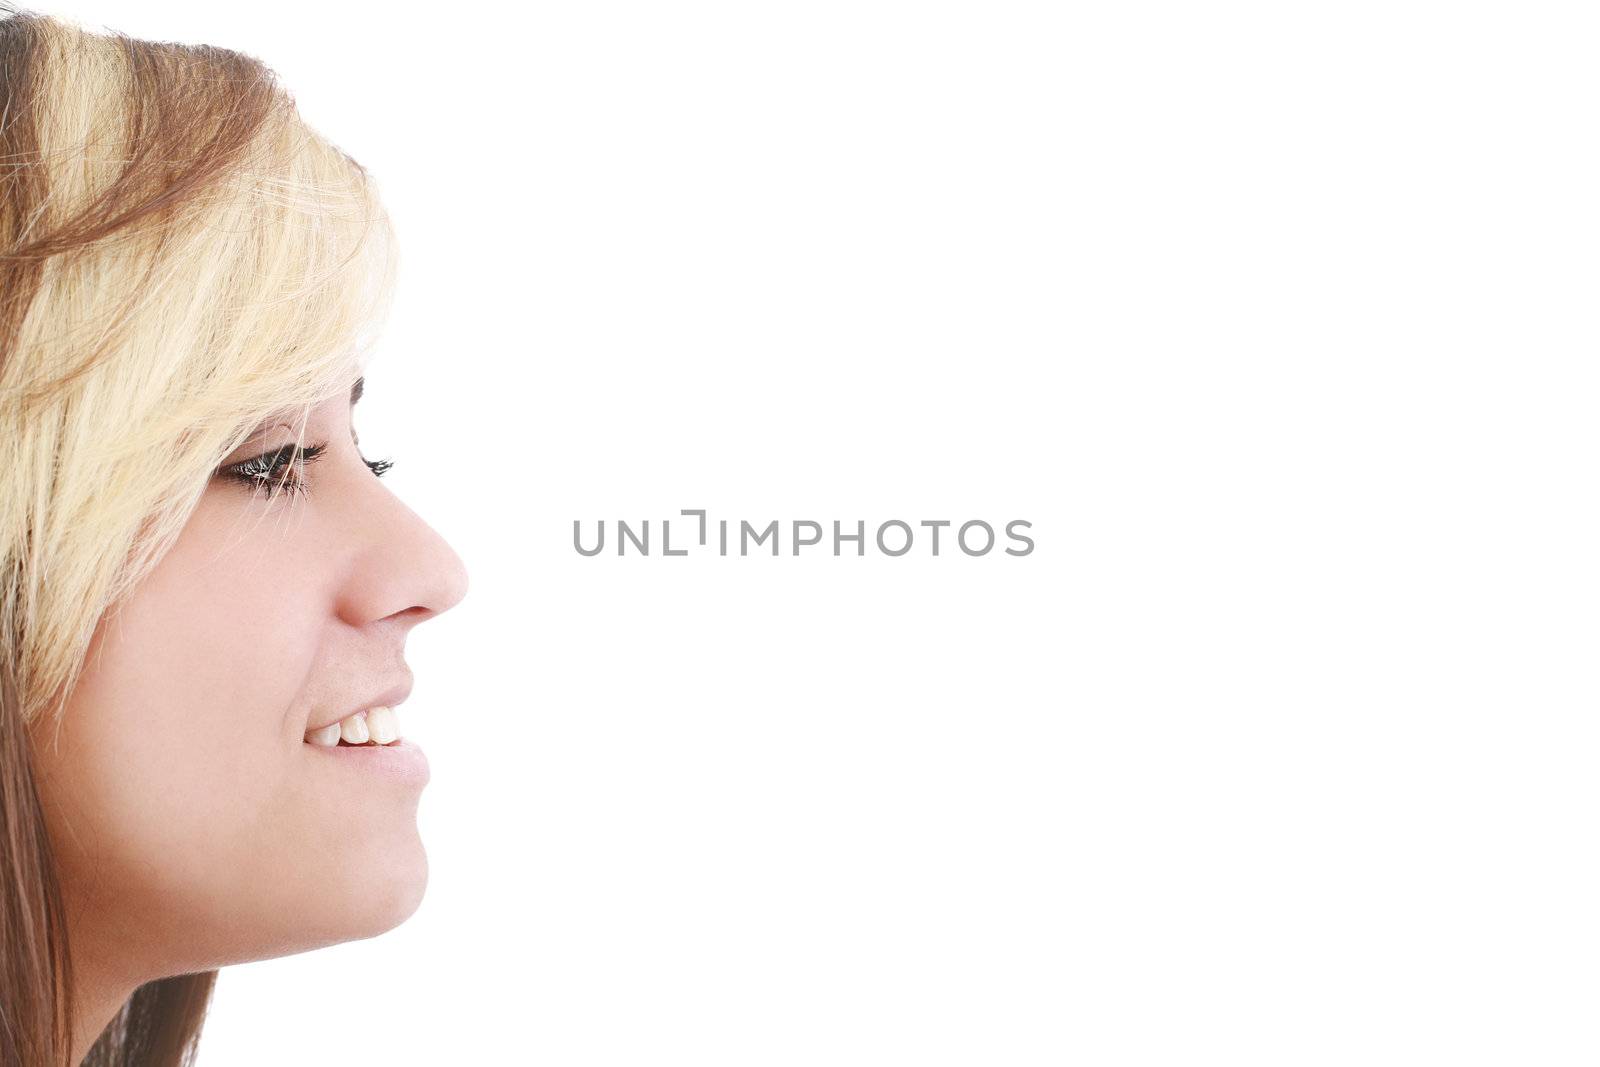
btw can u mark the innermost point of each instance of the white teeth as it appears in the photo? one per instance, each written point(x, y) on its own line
point(354, 729)
point(379, 726)
point(326, 737)
point(383, 724)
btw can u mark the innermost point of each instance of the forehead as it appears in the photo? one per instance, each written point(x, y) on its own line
point(333, 406)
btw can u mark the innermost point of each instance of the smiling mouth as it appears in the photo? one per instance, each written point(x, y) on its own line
point(375, 726)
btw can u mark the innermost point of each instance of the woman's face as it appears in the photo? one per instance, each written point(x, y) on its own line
point(194, 823)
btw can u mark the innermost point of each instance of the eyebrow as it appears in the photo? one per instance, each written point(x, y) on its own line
point(276, 419)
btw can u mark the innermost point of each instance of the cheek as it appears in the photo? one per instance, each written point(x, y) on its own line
point(174, 741)
point(181, 795)
point(182, 781)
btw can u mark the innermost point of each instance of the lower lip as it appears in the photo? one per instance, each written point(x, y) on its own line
point(402, 760)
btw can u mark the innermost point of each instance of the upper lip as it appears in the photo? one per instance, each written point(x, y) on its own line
point(387, 698)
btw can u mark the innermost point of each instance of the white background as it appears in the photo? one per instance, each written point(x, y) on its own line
point(1276, 320)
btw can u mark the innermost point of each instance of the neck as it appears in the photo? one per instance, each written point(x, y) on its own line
point(100, 987)
point(112, 956)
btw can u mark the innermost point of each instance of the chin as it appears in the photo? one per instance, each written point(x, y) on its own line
point(368, 893)
point(394, 889)
point(375, 890)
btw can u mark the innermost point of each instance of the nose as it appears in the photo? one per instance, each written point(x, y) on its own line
point(401, 566)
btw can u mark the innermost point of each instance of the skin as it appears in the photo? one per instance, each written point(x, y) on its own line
point(194, 827)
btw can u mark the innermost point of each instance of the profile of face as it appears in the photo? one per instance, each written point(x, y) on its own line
point(197, 819)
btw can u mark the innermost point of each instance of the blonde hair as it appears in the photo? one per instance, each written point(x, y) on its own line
point(181, 257)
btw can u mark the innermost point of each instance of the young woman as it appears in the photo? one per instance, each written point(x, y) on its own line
point(205, 590)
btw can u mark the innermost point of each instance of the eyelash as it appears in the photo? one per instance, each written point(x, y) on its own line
point(262, 472)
